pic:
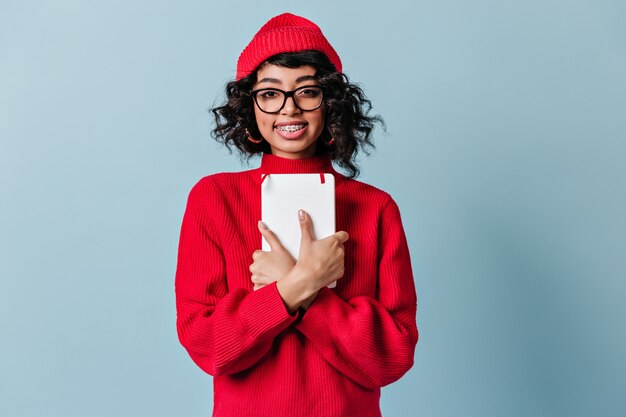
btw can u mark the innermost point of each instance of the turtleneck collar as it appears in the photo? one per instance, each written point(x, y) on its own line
point(273, 164)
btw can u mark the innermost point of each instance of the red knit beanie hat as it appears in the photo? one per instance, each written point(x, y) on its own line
point(284, 33)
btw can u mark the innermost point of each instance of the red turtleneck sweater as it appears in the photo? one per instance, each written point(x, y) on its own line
point(329, 361)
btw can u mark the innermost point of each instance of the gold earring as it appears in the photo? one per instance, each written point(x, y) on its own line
point(253, 140)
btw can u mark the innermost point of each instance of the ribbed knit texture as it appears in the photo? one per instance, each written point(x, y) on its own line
point(284, 33)
point(328, 362)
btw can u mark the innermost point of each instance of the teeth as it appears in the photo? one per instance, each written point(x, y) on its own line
point(290, 128)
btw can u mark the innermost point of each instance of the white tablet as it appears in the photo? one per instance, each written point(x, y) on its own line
point(281, 197)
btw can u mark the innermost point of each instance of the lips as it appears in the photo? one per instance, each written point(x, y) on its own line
point(291, 122)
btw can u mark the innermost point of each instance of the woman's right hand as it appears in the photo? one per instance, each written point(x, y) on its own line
point(320, 262)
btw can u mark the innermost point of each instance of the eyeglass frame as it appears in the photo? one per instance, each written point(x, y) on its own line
point(286, 95)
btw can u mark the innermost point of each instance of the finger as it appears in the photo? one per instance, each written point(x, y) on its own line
point(342, 236)
point(306, 228)
point(270, 236)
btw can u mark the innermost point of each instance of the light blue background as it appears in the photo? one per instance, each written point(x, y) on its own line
point(505, 152)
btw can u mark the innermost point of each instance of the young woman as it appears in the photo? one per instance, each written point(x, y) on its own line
point(277, 340)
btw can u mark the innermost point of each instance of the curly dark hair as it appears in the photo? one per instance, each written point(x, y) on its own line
point(347, 112)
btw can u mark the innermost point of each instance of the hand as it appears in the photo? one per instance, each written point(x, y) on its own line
point(324, 258)
point(270, 266)
point(320, 262)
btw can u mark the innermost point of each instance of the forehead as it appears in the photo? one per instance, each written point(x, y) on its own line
point(277, 75)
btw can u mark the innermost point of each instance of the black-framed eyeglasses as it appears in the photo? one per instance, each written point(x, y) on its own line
point(272, 100)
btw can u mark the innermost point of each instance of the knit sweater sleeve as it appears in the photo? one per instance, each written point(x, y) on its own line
point(371, 341)
point(223, 331)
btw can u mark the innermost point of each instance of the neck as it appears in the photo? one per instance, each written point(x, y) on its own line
point(272, 164)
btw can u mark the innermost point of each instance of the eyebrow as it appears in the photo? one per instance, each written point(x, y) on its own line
point(298, 80)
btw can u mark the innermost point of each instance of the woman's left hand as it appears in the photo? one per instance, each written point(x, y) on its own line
point(272, 265)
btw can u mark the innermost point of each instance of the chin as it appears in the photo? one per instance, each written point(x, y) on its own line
point(294, 147)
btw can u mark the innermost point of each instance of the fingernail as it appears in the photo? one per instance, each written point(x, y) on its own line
point(301, 214)
point(262, 225)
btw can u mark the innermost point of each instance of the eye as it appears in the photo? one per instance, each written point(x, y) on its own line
point(309, 92)
point(267, 94)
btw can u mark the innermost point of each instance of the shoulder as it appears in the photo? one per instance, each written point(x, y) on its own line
point(373, 200)
point(363, 192)
point(220, 182)
point(211, 191)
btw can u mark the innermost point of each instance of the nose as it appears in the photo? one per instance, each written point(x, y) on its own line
point(290, 106)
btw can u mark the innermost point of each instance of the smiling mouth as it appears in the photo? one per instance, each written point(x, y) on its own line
point(291, 128)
